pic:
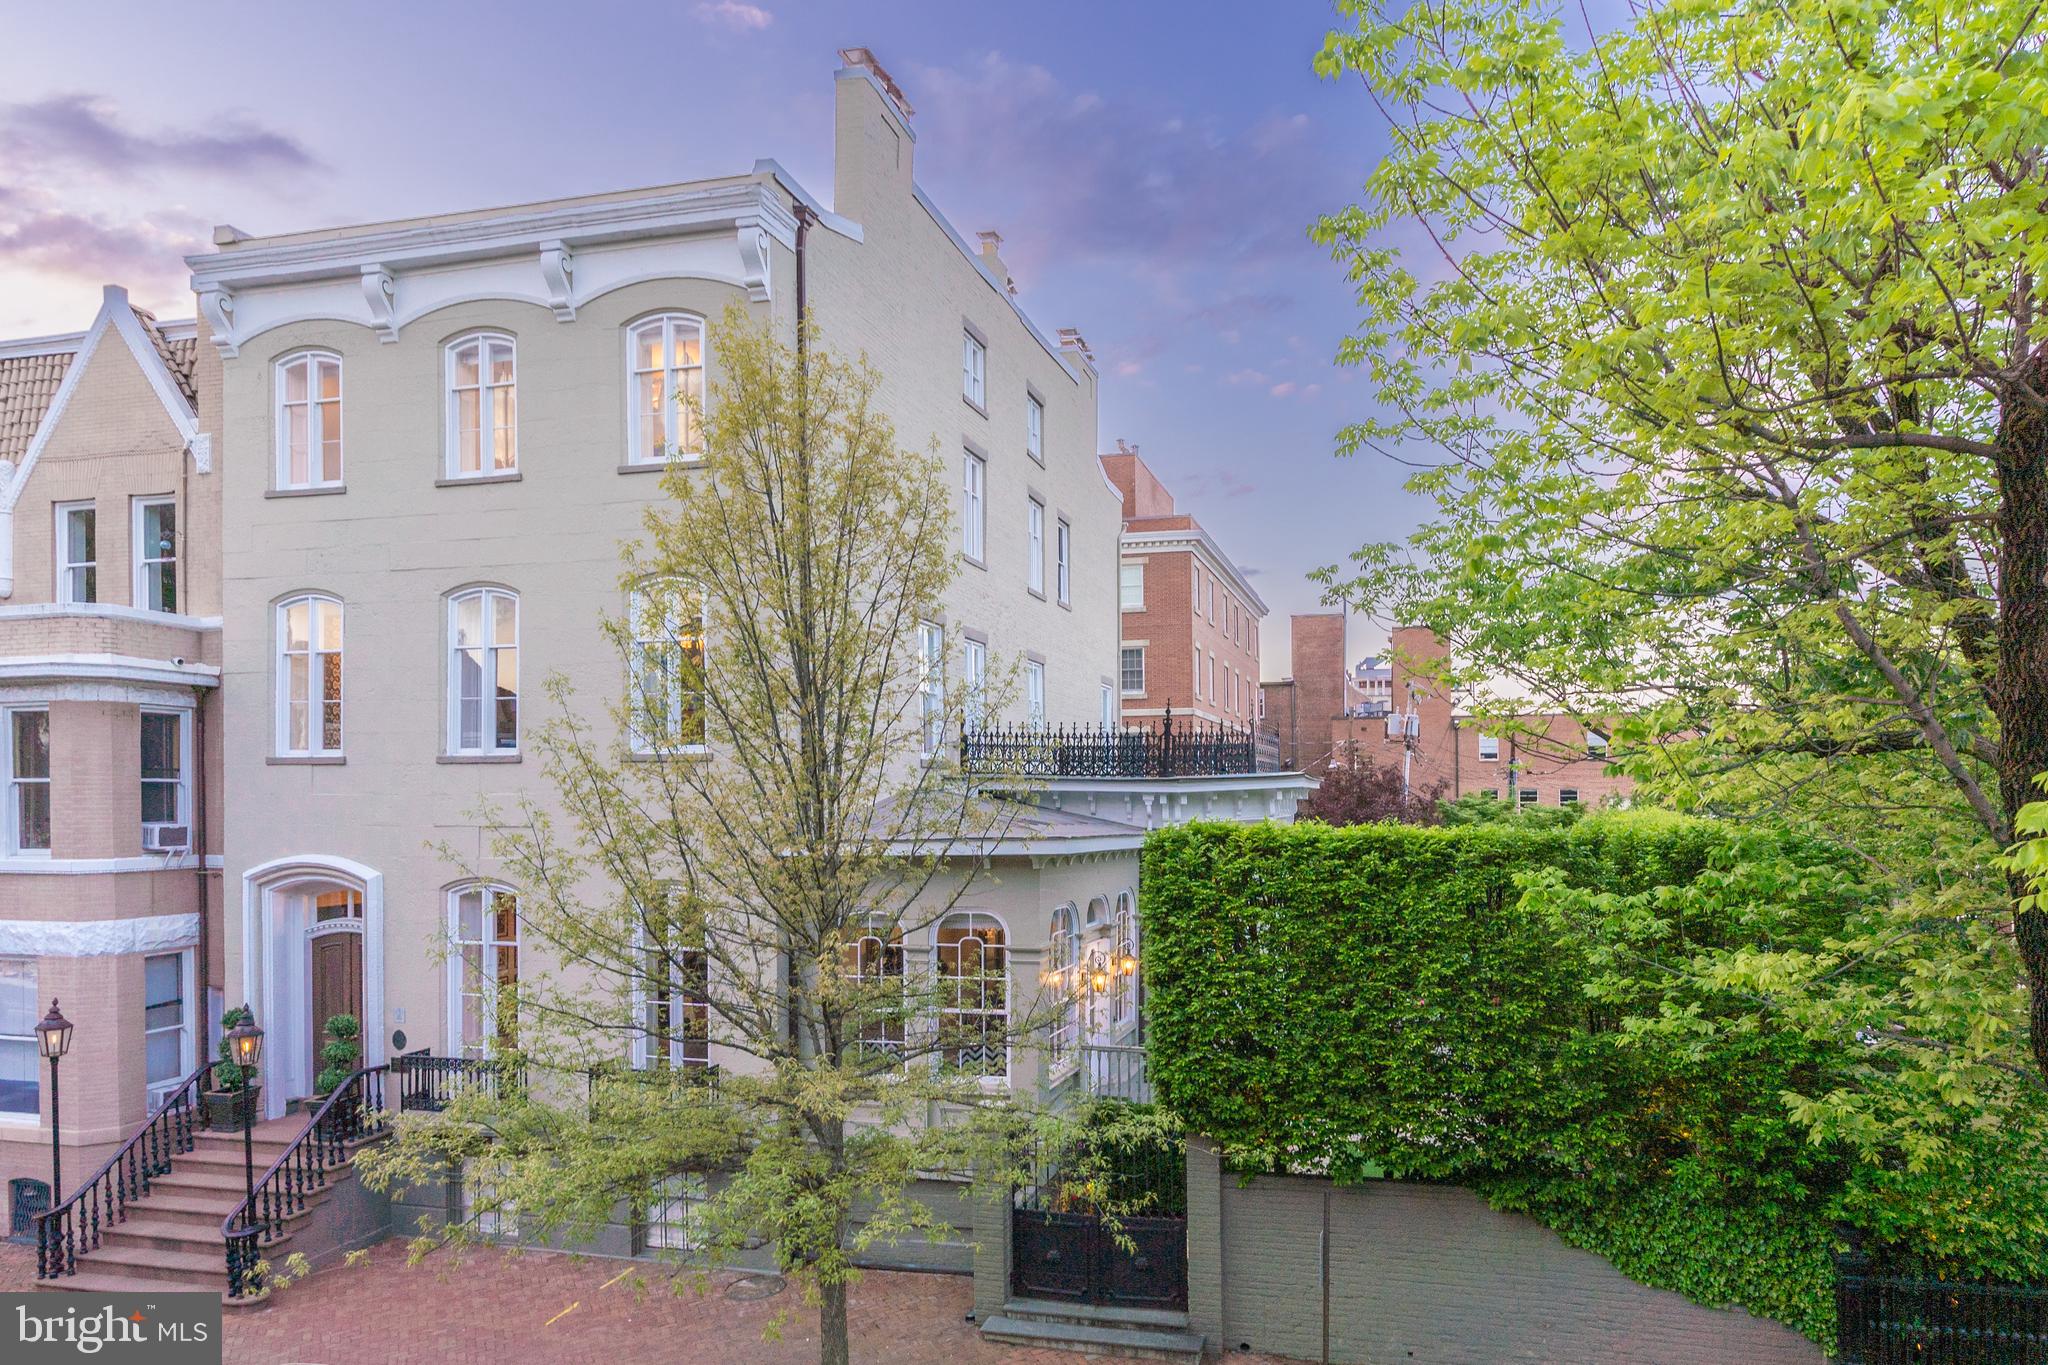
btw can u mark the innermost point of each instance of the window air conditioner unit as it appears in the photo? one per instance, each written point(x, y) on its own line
point(166, 838)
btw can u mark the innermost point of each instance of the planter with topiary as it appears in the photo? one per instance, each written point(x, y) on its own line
point(224, 1100)
point(338, 1056)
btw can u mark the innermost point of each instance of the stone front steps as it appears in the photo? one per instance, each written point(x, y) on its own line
point(171, 1237)
point(1140, 1333)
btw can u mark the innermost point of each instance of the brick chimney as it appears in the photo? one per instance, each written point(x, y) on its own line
point(872, 138)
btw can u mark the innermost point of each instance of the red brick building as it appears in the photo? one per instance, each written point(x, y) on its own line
point(1190, 621)
point(1319, 716)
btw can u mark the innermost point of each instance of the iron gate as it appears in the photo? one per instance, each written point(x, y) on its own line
point(1103, 1226)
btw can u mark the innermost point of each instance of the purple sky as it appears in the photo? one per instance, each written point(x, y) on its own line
point(1152, 169)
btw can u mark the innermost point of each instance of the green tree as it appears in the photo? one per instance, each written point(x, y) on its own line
point(1726, 326)
point(733, 864)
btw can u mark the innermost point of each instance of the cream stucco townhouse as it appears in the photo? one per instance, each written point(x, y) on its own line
point(110, 807)
point(445, 428)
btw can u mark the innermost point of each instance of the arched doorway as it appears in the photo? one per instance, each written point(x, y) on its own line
point(312, 947)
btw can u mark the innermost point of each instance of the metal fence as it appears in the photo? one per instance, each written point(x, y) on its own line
point(1887, 1319)
point(428, 1083)
point(1177, 748)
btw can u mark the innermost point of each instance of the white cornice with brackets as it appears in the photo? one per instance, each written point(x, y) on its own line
point(554, 257)
point(98, 937)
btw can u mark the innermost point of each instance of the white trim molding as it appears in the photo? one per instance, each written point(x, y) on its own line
point(98, 937)
point(117, 668)
point(39, 866)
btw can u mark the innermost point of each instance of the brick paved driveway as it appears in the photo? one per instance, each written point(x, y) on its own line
point(494, 1308)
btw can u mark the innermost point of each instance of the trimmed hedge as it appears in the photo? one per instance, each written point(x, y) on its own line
point(1376, 999)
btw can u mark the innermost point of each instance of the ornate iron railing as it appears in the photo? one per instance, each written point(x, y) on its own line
point(75, 1226)
point(1887, 1319)
point(428, 1083)
point(354, 1113)
point(675, 1077)
point(1178, 748)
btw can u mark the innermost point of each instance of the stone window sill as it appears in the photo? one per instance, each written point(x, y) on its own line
point(305, 760)
point(477, 758)
point(463, 481)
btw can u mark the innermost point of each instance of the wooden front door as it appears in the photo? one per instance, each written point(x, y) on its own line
point(337, 985)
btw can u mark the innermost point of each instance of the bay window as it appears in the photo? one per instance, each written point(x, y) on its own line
point(28, 780)
point(78, 578)
point(20, 1075)
point(155, 547)
point(974, 994)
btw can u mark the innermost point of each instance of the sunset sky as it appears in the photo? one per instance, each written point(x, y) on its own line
point(1152, 169)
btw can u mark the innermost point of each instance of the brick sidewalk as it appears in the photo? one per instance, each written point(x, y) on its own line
point(494, 1308)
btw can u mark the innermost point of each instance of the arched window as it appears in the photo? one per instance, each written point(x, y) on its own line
point(483, 406)
point(309, 420)
point(309, 633)
point(1063, 949)
point(483, 672)
point(483, 991)
point(665, 358)
point(874, 967)
point(1123, 958)
point(666, 662)
point(974, 994)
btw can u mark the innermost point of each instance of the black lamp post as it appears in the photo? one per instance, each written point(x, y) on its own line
point(245, 1045)
point(53, 1039)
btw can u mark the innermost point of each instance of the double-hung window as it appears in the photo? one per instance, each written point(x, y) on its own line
point(163, 771)
point(1034, 540)
point(485, 927)
point(309, 421)
point(1596, 744)
point(166, 1023)
point(483, 672)
point(78, 574)
point(667, 665)
point(931, 686)
point(974, 655)
point(667, 363)
point(309, 677)
point(1489, 748)
point(1034, 692)
point(1034, 428)
point(973, 506)
point(1131, 667)
point(1108, 706)
point(20, 1088)
point(1063, 556)
point(483, 407)
point(973, 369)
point(155, 545)
point(675, 1006)
point(28, 780)
point(1130, 586)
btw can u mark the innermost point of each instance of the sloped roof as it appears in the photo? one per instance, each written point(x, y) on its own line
point(27, 384)
point(178, 356)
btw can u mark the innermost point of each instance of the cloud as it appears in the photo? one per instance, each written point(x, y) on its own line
point(1079, 174)
point(736, 15)
point(146, 251)
point(86, 133)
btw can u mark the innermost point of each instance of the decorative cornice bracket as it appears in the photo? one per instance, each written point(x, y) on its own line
point(217, 305)
point(754, 257)
point(201, 448)
point(558, 271)
point(380, 291)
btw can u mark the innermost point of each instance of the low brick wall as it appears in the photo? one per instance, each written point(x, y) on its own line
point(1430, 1273)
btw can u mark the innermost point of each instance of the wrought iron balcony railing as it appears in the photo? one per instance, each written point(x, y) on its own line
point(1177, 748)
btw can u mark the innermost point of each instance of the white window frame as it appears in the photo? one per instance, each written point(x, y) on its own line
point(674, 380)
point(990, 1080)
point(1109, 706)
point(316, 424)
point(1212, 599)
point(1062, 977)
point(867, 963)
point(1034, 693)
point(1527, 796)
point(668, 634)
point(1596, 744)
point(1034, 427)
point(1034, 539)
point(487, 992)
point(491, 650)
point(1130, 585)
point(1123, 1001)
point(144, 564)
point(1195, 584)
point(487, 427)
point(1198, 673)
point(10, 819)
point(974, 665)
point(182, 784)
point(317, 699)
point(1063, 556)
point(1489, 748)
point(1567, 796)
point(974, 507)
point(154, 1094)
point(684, 995)
point(27, 968)
point(931, 688)
point(974, 369)
point(67, 566)
point(1122, 673)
